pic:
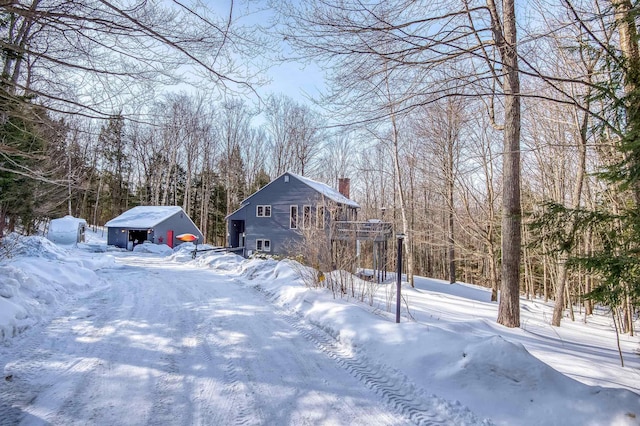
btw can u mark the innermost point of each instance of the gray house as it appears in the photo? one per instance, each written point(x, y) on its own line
point(157, 224)
point(272, 219)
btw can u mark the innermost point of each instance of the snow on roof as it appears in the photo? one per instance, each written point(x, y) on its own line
point(143, 216)
point(322, 188)
point(326, 190)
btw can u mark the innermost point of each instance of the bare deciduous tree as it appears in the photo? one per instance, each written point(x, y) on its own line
point(367, 44)
point(440, 126)
point(295, 133)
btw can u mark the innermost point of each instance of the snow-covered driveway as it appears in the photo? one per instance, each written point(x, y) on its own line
point(171, 344)
point(96, 337)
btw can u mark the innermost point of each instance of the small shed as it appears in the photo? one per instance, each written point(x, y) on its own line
point(155, 224)
point(67, 230)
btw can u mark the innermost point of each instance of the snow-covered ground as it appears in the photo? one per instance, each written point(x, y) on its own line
point(96, 336)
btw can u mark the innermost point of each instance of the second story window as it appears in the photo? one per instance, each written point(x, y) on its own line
point(306, 217)
point(293, 221)
point(320, 217)
point(263, 211)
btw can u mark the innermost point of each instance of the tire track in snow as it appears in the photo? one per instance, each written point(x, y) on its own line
point(172, 386)
point(220, 378)
point(15, 391)
point(84, 373)
point(241, 400)
point(419, 409)
point(240, 395)
point(166, 391)
point(198, 383)
point(234, 404)
point(70, 379)
point(21, 382)
point(205, 353)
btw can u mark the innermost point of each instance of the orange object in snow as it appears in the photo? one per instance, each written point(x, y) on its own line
point(187, 238)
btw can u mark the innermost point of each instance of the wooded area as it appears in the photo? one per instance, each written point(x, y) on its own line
point(501, 139)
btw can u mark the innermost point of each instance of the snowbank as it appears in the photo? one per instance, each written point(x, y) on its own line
point(449, 350)
point(148, 247)
point(447, 345)
point(38, 279)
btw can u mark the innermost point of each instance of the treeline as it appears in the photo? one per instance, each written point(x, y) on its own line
point(202, 156)
point(511, 138)
point(504, 145)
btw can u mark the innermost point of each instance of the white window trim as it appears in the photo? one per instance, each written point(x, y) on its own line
point(265, 207)
point(260, 244)
point(291, 217)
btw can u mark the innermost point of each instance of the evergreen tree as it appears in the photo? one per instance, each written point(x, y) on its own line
point(27, 172)
point(261, 179)
point(115, 167)
point(618, 261)
point(616, 226)
point(232, 168)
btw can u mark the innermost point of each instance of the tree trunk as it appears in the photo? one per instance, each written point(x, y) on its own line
point(493, 273)
point(569, 304)
point(615, 325)
point(95, 208)
point(558, 307)
point(69, 191)
point(545, 279)
point(575, 203)
point(505, 37)
point(629, 46)
point(408, 239)
point(451, 241)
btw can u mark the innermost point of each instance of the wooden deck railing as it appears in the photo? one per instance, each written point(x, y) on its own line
point(364, 231)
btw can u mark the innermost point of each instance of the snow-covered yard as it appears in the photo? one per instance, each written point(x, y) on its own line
point(91, 336)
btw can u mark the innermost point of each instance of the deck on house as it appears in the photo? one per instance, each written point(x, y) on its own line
point(363, 231)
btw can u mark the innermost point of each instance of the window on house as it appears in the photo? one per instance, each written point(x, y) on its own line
point(320, 217)
point(293, 219)
point(263, 211)
point(342, 212)
point(351, 213)
point(263, 245)
point(306, 217)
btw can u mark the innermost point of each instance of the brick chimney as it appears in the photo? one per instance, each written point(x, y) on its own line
point(343, 186)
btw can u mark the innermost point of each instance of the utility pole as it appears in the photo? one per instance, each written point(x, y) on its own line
point(400, 238)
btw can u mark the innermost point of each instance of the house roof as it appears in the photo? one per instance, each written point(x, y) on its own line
point(320, 187)
point(326, 190)
point(143, 217)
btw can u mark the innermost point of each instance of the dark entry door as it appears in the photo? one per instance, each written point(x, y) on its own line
point(236, 230)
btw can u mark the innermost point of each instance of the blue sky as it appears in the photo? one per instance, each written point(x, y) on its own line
point(294, 79)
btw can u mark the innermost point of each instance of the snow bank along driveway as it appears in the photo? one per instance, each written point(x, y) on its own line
point(167, 343)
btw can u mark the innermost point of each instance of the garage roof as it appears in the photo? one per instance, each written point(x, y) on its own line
point(143, 217)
